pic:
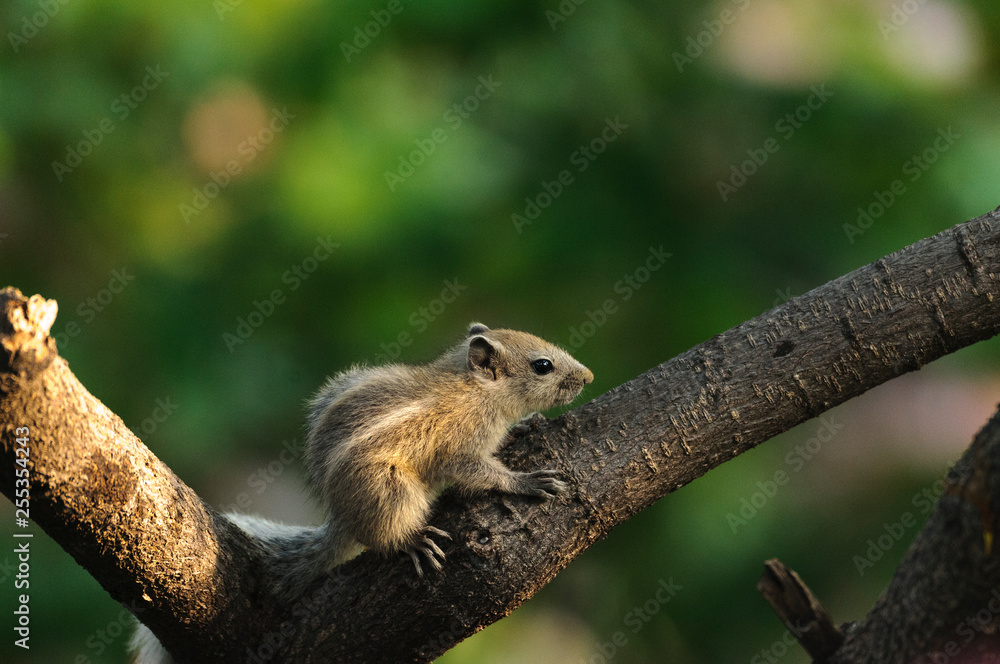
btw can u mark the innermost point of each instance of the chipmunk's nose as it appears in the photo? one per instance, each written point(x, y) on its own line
point(588, 376)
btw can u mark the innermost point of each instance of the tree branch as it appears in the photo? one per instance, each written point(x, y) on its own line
point(197, 581)
point(105, 498)
point(799, 610)
point(943, 603)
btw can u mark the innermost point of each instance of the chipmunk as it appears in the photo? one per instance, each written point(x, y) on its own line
point(383, 443)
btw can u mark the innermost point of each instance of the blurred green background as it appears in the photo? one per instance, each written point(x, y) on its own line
point(176, 176)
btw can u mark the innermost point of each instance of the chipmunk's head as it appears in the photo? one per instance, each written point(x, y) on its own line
point(527, 372)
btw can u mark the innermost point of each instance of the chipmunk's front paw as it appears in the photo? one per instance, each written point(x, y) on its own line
point(541, 484)
point(423, 546)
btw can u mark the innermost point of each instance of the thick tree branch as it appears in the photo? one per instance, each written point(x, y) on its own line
point(197, 581)
point(943, 603)
point(99, 492)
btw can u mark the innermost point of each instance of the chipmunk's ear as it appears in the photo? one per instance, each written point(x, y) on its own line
point(477, 328)
point(484, 357)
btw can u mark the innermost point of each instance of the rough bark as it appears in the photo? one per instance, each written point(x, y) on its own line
point(800, 611)
point(943, 603)
point(196, 581)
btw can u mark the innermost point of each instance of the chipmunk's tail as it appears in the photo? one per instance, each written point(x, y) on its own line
point(298, 556)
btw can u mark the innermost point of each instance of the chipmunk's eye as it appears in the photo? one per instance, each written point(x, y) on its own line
point(542, 366)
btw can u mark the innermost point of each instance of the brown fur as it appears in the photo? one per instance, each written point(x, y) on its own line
point(385, 441)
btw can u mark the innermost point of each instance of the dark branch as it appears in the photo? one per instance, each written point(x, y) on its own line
point(197, 581)
point(943, 603)
point(799, 610)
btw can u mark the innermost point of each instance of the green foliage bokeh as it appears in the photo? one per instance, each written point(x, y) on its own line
point(174, 175)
